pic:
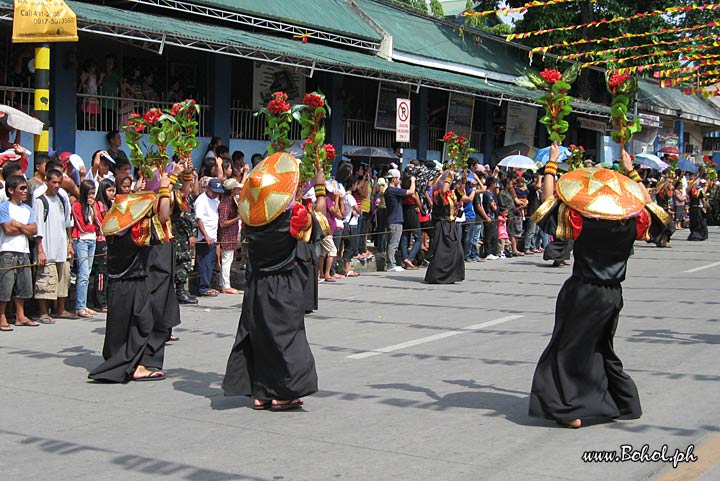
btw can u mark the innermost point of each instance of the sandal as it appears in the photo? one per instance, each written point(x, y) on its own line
point(151, 376)
point(6, 328)
point(46, 319)
point(27, 323)
point(329, 279)
point(209, 293)
point(84, 313)
point(66, 315)
point(352, 274)
point(230, 290)
point(285, 406)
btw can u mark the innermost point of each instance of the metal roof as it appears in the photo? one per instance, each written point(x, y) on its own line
point(328, 15)
point(147, 30)
point(424, 36)
point(674, 103)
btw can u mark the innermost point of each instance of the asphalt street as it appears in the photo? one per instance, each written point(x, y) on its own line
point(417, 382)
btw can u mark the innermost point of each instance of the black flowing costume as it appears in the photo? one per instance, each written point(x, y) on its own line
point(161, 283)
point(271, 357)
point(698, 217)
point(579, 375)
point(307, 262)
point(447, 264)
point(132, 337)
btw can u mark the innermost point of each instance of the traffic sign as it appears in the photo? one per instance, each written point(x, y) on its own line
point(402, 121)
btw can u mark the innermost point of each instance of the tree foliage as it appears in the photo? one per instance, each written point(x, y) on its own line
point(436, 9)
point(585, 11)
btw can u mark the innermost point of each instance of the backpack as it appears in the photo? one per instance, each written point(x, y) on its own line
point(46, 205)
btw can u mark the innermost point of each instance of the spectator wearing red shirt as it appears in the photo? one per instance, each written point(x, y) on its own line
point(84, 234)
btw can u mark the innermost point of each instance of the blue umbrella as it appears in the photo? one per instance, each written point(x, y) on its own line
point(687, 166)
point(543, 155)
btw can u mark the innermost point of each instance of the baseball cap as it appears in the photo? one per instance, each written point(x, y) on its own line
point(393, 174)
point(230, 184)
point(216, 186)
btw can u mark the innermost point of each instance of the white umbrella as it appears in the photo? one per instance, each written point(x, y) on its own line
point(518, 162)
point(19, 120)
point(651, 160)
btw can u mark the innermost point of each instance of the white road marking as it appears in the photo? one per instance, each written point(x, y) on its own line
point(702, 268)
point(434, 337)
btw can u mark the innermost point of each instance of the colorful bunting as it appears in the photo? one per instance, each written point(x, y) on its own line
point(700, 38)
point(505, 11)
point(624, 36)
point(666, 11)
point(621, 61)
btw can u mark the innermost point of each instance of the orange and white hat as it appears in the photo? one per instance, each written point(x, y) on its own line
point(601, 193)
point(269, 189)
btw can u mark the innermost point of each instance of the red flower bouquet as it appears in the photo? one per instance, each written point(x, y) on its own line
point(318, 155)
point(458, 149)
point(622, 88)
point(278, 118)
point(555, 100)
point(176, 127)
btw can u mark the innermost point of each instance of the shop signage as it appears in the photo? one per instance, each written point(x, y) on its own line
point(386, 109)
point(38, 21)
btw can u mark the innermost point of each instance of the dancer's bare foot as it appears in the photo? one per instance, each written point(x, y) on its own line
point(573, 424)
point(144, 374)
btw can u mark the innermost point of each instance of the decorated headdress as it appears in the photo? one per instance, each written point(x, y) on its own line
point(126, 211)
point(269, 189)
point(601, 193)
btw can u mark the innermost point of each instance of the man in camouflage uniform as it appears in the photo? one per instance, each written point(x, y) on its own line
point(184, 227)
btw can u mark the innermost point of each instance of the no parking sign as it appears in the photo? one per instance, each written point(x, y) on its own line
point(402, 121)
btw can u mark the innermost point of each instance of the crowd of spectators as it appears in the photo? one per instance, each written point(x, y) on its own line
point(52, 248)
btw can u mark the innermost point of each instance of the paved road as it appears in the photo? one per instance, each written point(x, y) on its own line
point(408, 390)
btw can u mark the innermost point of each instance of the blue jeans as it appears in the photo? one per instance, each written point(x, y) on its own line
point(532, 236)
point(405, 242)
point(84, 252)
point(205, 260)
point(471, 236)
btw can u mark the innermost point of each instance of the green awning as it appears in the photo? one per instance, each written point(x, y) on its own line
point(426, 37)
point(328, 15)
point(672, 102)
point(147, 28)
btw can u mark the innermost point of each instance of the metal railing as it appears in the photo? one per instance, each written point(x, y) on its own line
point(103, 113)
point(22, 98)
point(244, 125)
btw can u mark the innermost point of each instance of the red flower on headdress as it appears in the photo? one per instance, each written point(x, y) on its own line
point(330, 152)
point(152, 115)
point(615, 81)
point(551, 76)
point(278, 106)
point(176, 109)
point(448, 136)
point(313, 101)
point(280, 95)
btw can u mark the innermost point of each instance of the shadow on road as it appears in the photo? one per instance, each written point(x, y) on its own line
point(127, 462)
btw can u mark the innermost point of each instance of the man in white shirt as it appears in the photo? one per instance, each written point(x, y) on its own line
point(54, 221)
point(206, 212)
point(18, 223)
